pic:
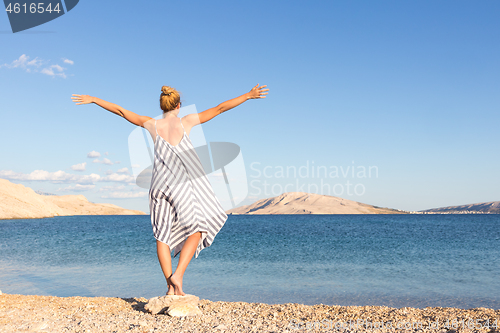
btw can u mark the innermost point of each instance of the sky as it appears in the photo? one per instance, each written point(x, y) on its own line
point(403, 93)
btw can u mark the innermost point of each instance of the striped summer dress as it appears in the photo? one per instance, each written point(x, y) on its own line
point(181, 199)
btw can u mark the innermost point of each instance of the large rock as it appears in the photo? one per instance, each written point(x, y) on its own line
point(174, 305)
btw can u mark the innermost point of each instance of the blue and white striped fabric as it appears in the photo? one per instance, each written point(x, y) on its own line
point(181, 198)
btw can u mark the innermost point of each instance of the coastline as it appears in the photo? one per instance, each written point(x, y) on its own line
point(109, 314)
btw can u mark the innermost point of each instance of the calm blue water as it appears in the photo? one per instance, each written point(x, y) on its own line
point(392, 260)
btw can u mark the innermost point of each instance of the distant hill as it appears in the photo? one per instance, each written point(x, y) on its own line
point(20, 202)
point(492, 207)
point(309, 203)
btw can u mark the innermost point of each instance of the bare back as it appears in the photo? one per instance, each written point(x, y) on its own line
point(171, 129)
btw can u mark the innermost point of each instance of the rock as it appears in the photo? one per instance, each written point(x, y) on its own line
point(174, 305)
point(220, 327)
point(39, 326)
point(181, 308)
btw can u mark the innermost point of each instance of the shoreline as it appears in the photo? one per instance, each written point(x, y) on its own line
point(111, 314)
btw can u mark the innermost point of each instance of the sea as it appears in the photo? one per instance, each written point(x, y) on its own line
point(407, 260)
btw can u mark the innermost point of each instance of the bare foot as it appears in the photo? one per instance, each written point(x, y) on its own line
point(171, 290)
point(177, 283)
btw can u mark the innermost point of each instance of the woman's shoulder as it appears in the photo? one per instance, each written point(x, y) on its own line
point(150, 124)
point(191, 120)
point(150, 127)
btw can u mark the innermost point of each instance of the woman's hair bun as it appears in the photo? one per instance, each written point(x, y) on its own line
point(167, 90)
point(169, 98)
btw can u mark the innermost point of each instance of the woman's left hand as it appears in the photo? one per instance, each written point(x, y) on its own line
point(82, 99)
point(258, 92)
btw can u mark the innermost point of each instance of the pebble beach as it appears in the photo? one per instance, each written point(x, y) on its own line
point(24, 313)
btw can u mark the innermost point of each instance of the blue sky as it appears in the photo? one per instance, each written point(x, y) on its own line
point(410, 89)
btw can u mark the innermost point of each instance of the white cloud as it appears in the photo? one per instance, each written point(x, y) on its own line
point(104, 161)
point(24, 62)
point(112, 188)
point(67, 61)
point(76, 188)
point(117, 178)
point(58, 177)
point(53, 177)
point(122, 170)
point(93, 154)
point(106, 153)
point(79, 167)
point(124, 195)
point(59, 71)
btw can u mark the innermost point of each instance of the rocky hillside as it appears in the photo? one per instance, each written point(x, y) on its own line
point(309, 203)
point(20, 202)
point(492, 207)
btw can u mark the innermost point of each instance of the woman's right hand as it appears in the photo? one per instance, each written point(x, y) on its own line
point(82, 99)
point(258, 92)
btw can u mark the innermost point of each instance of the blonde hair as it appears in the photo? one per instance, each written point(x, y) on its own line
point(169, 98)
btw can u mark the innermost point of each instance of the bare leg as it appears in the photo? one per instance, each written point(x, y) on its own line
point(186, 255)
point(163, 251)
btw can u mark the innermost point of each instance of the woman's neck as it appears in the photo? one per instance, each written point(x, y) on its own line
point(170, 114)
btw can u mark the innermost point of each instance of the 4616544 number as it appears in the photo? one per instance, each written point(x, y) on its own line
point(32, 8)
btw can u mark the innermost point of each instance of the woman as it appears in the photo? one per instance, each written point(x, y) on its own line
point(185, 213)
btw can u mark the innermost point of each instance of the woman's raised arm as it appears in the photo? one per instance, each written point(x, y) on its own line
point(116, 109)
point(202, 117)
